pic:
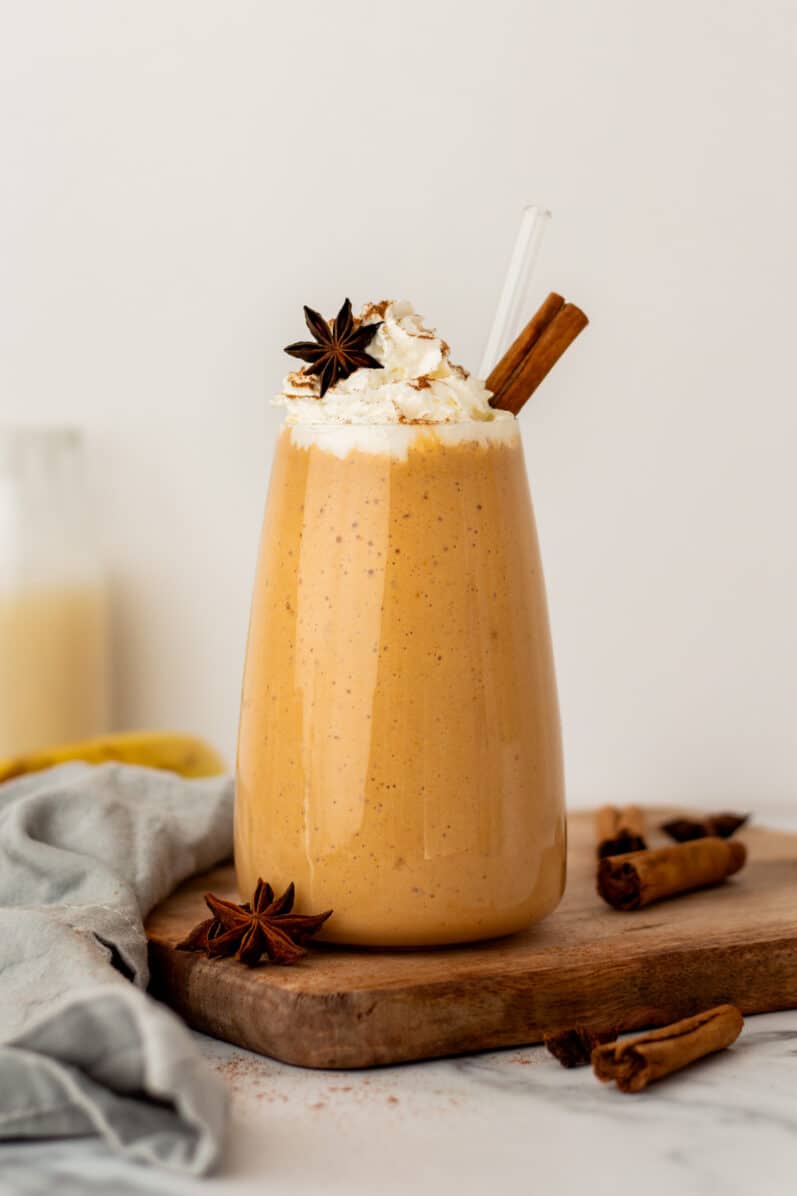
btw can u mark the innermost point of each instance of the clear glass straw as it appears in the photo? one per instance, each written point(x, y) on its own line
point(513, 305)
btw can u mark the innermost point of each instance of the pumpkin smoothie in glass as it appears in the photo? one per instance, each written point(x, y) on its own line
point(399, 752)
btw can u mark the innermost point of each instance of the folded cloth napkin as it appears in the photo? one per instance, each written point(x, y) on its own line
point(85, 853)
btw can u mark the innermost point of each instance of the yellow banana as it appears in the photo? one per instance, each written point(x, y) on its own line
point(183, 754)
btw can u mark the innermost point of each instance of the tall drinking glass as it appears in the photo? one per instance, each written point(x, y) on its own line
point(399, 752)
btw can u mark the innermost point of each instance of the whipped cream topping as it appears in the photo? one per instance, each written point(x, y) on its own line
point(418, 384)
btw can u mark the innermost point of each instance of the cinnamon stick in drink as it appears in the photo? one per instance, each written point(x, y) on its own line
point(629, 882)
point(535, 352)
point(619, 830)
point(637, 1062)
point(519, 349)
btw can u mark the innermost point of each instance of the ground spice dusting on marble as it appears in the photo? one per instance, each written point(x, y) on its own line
point(240, 1072)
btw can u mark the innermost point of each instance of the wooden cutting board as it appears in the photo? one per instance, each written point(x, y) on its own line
point(587, 964)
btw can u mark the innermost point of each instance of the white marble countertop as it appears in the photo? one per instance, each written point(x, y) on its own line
point(504, 1122)
point(517, 1120)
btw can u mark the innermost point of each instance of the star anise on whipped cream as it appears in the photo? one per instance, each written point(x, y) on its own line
point(264, 926)
point(338, 349)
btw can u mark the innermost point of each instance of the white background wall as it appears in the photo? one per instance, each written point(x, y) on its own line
point(178, 176)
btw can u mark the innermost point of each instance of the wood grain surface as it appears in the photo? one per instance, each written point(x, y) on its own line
point(587, 964)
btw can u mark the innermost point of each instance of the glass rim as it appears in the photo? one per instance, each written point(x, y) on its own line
point(507, 417)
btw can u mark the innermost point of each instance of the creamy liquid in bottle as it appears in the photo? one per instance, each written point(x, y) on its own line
point(54, 666)
point(399, 751)
point(54, 625)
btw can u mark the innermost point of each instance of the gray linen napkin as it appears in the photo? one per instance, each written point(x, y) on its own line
point(85, 853)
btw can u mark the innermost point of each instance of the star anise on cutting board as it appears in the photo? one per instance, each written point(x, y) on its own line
point(338, 349)
point(264, 926)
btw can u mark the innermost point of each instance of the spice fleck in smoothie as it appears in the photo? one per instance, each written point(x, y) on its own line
point(399, 752)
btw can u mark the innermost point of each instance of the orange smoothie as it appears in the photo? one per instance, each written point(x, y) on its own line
point(399, 753)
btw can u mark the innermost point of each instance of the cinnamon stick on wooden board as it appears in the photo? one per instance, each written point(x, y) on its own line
point(629, 882)
point(619, 830)
point(531, 356)
point(636, 1062)
point(682, 830)
point(574, 1047)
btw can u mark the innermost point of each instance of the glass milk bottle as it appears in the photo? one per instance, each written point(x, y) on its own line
point(54, 627)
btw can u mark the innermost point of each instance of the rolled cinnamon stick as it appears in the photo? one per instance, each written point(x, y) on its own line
point(518, 350)
point(629, 882)
point(637, 1062)
point(535, 352)
point(722, 825)
point(619, 831)
point(574, 1047)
